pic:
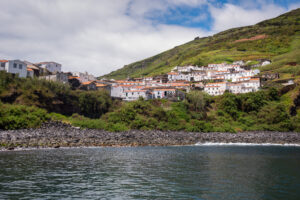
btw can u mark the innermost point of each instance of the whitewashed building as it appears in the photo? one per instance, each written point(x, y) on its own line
point(30, 73)
point(266, 62)
point(84, 77)
point(118, 91)
point(163, 93)
point(14, 67)
point(213, 90)
point(133, 95)
point(245, 86)
point(235, 88)
point(253, 83)
point(178, 76)
point(52, 67)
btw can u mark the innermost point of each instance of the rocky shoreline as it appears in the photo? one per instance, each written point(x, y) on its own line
point(57, 134)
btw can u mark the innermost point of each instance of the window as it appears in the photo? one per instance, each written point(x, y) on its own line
point(15, 65)
point(2, 64)
point(20, 66)
point(126, 94)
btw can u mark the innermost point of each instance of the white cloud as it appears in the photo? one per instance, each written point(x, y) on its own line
point(91, 35)
point(103, 35)
point(230, 16)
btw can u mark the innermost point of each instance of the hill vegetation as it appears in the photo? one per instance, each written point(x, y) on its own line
point(27, 103)
point(23, 100)
point(281, 39)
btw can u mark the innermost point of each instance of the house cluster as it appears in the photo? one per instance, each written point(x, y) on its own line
point(51, 71)
point(148, 88)
point(214, 79)
point(218, 78)
point(25, 69)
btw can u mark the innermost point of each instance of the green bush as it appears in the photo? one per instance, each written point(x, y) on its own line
point(18, 116)
point(199, 126)
point(89, 123)
point(273, 113)
point(117, 127)
point(230, 103)
point(94, 103)
point(53, 96)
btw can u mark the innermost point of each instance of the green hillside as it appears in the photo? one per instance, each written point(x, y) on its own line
point(277, 39)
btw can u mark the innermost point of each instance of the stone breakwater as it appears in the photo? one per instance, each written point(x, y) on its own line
point(56, 134)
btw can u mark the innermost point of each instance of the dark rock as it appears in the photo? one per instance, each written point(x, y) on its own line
point(57, 134)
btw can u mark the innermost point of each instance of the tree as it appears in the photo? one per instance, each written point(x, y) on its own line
point(196, 101)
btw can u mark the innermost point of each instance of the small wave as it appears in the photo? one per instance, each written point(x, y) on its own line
point(245, 144)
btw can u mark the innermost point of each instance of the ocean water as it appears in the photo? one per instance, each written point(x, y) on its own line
point(189, 172)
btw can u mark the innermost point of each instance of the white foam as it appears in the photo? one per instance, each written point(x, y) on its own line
point(245, 144)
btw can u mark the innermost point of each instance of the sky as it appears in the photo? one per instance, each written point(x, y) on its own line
point(100, 36)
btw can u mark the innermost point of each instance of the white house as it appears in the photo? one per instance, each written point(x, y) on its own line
point(174, 76)
point(52, 67)
point(234, 88)
point(198, 76)
point(84, 77)
point(187, 68)
point(163, 93)
point(30, 72)
point(118, 91)
point(253, 83)
point(132, 95)
point(14, 67)
point(239, 62)
point(266, 62)
point(215, 89)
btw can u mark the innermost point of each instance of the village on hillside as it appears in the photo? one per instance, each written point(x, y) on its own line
point(213, 79)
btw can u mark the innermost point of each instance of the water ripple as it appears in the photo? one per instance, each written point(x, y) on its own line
point(199, 172)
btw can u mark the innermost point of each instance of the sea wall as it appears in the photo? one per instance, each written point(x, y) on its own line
point(57, 134)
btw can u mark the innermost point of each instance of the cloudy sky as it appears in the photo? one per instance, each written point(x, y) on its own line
point(100, 36)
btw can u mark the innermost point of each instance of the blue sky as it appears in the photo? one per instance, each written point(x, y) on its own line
point(100, 36)
point(199, 16)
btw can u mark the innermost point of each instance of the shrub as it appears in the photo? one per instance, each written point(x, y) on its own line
point(19, 116)
point(230, 103)
point(117, 127)
point(89, 123)
point(199, 126)
point(273, 113)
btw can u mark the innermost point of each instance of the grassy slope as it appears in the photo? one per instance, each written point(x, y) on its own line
point(282, 39)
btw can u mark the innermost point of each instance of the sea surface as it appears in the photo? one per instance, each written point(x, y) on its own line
point(188, 172)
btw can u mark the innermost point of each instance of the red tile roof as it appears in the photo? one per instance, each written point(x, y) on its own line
point(100, 85)
point(216, 83)
point(73, 77)
point(136, 91)
point(87, 83)
point(164, 89)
